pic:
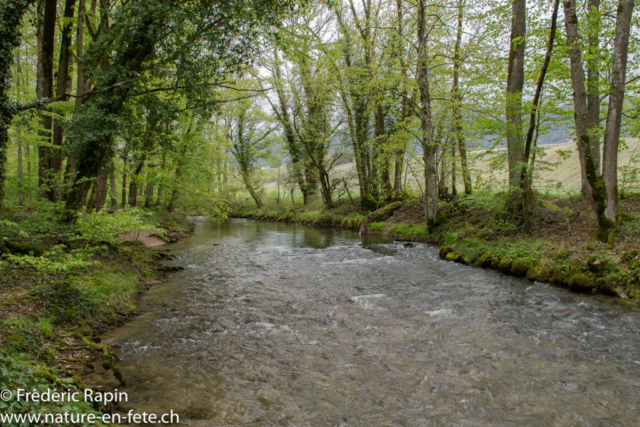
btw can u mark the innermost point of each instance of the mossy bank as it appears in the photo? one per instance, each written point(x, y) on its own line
point(554, 253)
point(75, 282)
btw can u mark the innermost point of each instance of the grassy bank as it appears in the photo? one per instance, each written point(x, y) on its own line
point(560, 248)
point(342, 216)
point(61, 285)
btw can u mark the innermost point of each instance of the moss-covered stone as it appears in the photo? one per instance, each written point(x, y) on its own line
point(519, 268)
point(558, 277)
point(467, 259)
point(444, 251)
point(543, 274)
point(605, 286)
point(22, 249)
point(484, 260)
point(495, 262)
point(581, 283)
point(505, 265)
point(452, 256)
point(532, 274)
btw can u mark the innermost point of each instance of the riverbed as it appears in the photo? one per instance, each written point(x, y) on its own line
point(280, 324)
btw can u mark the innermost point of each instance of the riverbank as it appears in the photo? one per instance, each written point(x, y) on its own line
point(62, 285)
point(560, 248)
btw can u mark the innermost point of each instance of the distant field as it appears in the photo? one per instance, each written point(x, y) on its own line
point(558, 163)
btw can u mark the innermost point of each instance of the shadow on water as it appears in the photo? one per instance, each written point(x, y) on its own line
point(279, 324)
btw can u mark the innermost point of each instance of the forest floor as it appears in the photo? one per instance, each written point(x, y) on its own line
point(560, 248)
point(54, 307)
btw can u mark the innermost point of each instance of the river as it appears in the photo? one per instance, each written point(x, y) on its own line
point(279, 324)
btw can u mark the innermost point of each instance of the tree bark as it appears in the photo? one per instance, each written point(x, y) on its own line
point(457, 103)
point(603, 191)
point(114, 196)
point(593, 91)
point(46, 84)
point(99, 193)
point(515, 84)
point(64, 79)
point(614, 112)
point(426, 125)
point(526, 174)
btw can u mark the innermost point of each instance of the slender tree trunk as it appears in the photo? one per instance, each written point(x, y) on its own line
point(114, 195)
point(46, 84)
point(614, 112)
point(603, 189)
point(399, 154)
point(593, 92)
point(515, 84)
point(457, 103)
point(64, 79)
point(381, 136)
point(285, 120)
point(526, 174)
point(19, 132)
point(148, 193)
point(176, 179)
point(426, 127)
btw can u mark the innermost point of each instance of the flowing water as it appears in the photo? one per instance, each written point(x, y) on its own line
point(276, 324)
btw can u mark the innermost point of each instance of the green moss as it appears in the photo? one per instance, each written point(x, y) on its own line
point(505, 265)
point(605, 286)
point(520, 268)
point(581, 283)
point(484, 260)
point(444, 251)
point(452, 256)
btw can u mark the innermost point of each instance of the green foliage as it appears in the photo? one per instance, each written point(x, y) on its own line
point(377, 227)
point(102, 226)
point(18, 372)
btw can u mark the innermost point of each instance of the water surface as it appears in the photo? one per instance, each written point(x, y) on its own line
point(276, 324)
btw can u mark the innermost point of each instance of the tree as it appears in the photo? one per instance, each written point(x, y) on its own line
point(603, 189)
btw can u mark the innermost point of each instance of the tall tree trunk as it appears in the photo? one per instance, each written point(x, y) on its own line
point(285, 121)
point(614, 112)
point(426, 127)
point(515, 84)
point(99, 193)
point(64, 79)
point(114, 195)
point(46, 84)
point(603, 189)
point(176, 179)
point(526, 174)
point(593, 91)
point(19, 132)
point(148, 193)
point(399, 153)
point(457, 103)
point(381, 137)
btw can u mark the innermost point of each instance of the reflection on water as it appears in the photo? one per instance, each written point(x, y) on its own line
point(276, 324)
